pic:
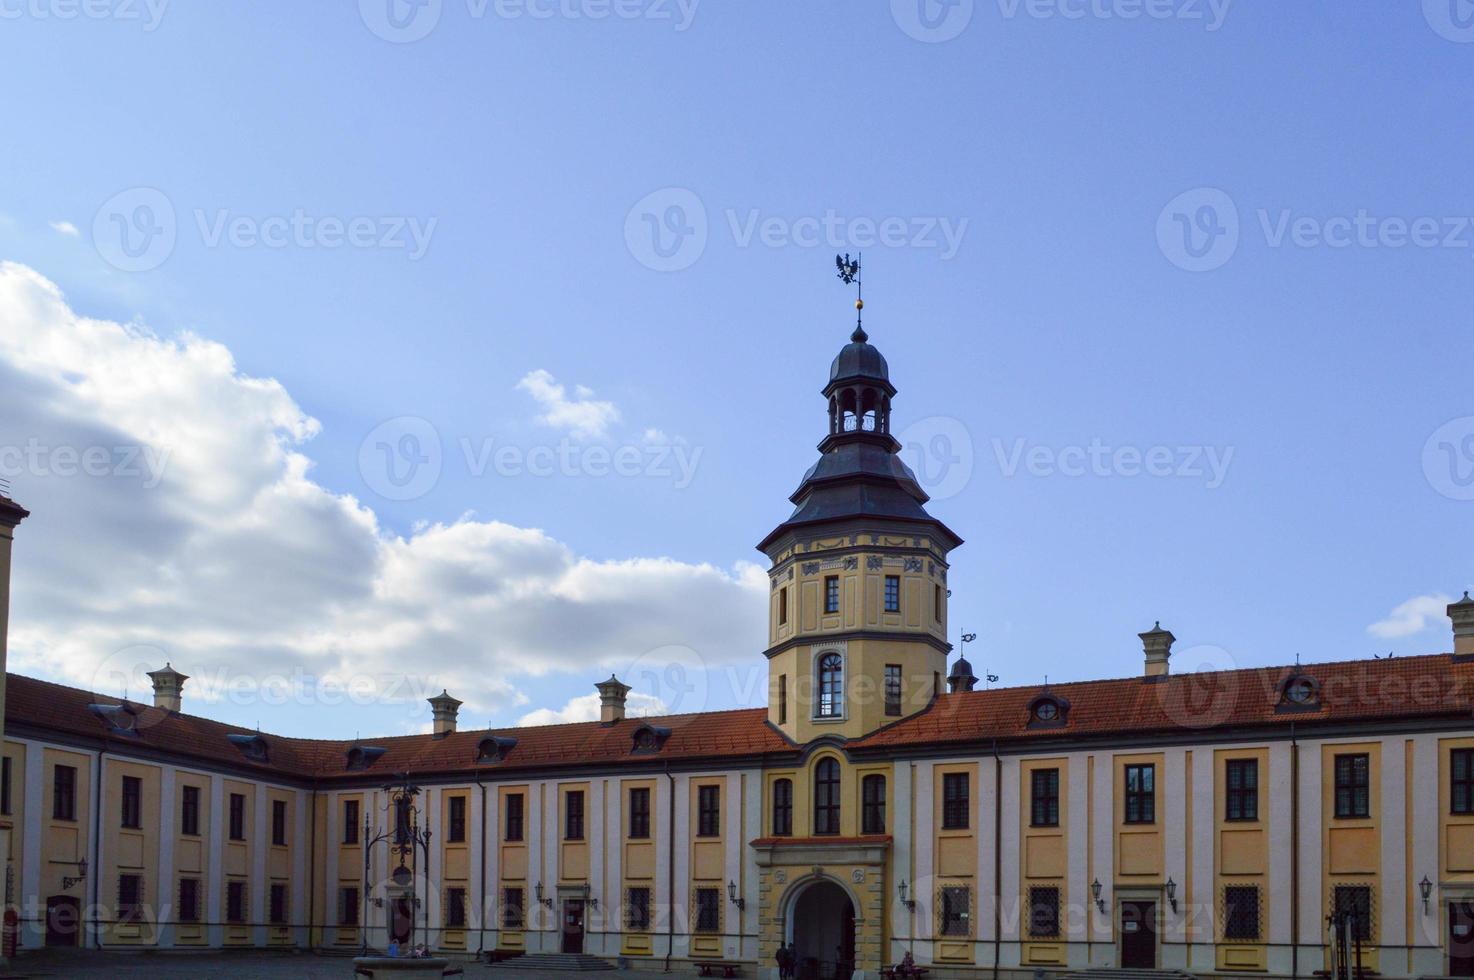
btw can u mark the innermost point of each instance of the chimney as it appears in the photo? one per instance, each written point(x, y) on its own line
point(1462, 613)
point(1157, 643)
point(612, 694)
point(444, 708)
point(168, 688)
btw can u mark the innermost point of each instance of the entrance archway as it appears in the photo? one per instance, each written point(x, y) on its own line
point(821, 928)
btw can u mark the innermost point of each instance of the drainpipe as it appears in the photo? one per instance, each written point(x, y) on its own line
point(670, 867)
point(312, 865)
point(1294, 854)
point(481, 926)
point(96, 874)
point(997, 857)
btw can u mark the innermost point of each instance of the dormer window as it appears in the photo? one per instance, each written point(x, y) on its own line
point(1048, 710)
point(1299, 692)
point(253, 747)
point(648, 738)
point(361, 757)
point(493, 749)
point(121, 719)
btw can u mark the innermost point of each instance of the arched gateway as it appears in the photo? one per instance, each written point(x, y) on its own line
point(820, 926)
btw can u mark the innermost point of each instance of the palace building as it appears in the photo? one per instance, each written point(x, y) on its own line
point(1240, 822)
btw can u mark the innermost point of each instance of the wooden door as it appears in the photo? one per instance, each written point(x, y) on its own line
point(1461, 939)
point(63, 920)
point(1139, 935)
point(573, 927)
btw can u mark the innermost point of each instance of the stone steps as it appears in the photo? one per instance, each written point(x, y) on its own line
point(569, 962)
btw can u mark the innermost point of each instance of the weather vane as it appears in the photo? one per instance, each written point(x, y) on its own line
point(849, 274)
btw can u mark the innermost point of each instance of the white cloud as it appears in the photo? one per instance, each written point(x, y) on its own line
point(585, 707)
point(207, 541)
point(1412, 617)
point(582, 415)
point(64, 228)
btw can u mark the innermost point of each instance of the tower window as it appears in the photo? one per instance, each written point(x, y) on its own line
point(783, 606)
point(826, 798)
point(892, 689)
point(782, 808)
point(936, 593)
point(872, 816)
point(783, 699)
point(831, 593)
point(893, 593)
point(831, 686)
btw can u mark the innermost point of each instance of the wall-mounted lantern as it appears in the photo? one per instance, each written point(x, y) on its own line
point(68, 881)
point(547, 902)
point(1425, 888)
point(741, 903)
point(1095, 894)
point(910, 903)
point(1172, 895)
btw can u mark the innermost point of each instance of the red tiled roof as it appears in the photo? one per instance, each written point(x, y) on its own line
point(1400, 689)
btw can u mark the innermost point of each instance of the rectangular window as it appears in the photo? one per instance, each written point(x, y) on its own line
point(1357, 901)
point(350, 821)
point(237, 816)
point(936, 602)
point(892, 689)
point(455, 832)
point(1241, 779)
point(955, 919)
point(783, 606)
point(708, 811)
point(1044, 913)
point(348, 905)
point(1241, 912)
point(279, 823)
point(893, 593)
point(455, 908)
point(189, 899)
point(872, 809)
point(64, 793)
point(130, 898)
point(235, 901)
point(1461, 781)
point(831, 593)
point(637, 910)
point(640, 813)
point(1044, 798)
point(1141, 793)
point(512, 913)
point(132, 802)
point(513, 824)
point(783, 699)
point(573, 815)
point(1353, 796)
point(276, 903)
point(783, 808)
point(956, 805)
point(189, 810)
point(5, 785)
point(708, 910)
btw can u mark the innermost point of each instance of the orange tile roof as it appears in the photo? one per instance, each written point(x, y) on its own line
point(1184, 705)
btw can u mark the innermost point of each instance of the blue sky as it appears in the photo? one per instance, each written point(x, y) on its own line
point(1296, 367)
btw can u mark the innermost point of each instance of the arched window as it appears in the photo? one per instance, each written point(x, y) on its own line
point(783, 808)
point(826, 798)
point(831, 686)
point(872, 792)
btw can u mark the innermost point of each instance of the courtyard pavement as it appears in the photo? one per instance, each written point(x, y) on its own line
point(92, 965)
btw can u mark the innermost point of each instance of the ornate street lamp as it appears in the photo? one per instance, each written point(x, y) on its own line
point(406, 840)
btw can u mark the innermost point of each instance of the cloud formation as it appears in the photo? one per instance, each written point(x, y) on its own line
point(581, 415)
point(585, 707)
point(1414, 616)
point(198, 534)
